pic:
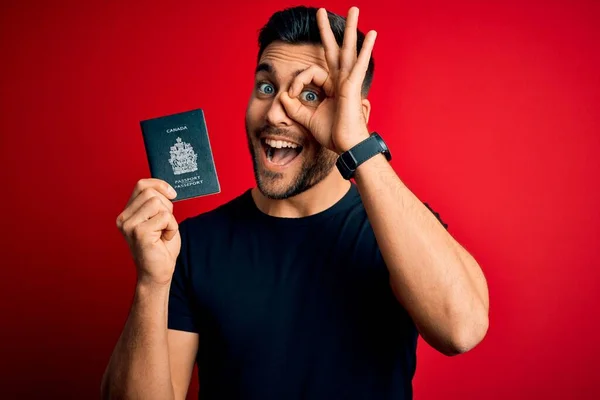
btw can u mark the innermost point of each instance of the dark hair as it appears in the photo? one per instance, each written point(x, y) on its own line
point(298, 25)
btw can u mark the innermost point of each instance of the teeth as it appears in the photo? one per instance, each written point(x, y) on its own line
point(280, 144)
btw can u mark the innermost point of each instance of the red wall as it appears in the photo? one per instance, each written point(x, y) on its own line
point(491, 110)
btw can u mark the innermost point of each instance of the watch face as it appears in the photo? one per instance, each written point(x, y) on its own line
point(386, 151)
point(343, 168)
point(383, 145)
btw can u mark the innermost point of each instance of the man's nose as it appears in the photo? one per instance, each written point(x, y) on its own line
point(276, 115)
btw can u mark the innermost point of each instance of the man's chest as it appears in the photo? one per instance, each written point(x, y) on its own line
point(261, 286)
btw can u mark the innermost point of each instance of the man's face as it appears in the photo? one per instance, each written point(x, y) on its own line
point(287, 159)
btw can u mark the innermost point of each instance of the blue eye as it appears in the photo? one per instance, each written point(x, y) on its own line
point(310, 96)
point(266, 88)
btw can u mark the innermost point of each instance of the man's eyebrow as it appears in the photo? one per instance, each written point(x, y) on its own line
point(264, 67)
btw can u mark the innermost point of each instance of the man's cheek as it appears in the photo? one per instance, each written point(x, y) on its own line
point(251, 109)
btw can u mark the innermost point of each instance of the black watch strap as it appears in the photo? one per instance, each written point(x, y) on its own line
point(348, 161)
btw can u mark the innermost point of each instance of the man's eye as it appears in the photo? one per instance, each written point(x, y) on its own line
point(266, 88)
point(309, 96)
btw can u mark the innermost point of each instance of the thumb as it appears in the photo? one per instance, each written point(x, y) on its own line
point(296, 110)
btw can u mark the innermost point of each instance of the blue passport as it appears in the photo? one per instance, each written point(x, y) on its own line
point(179, 152)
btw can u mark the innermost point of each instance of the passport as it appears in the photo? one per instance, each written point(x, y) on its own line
point(179, 152)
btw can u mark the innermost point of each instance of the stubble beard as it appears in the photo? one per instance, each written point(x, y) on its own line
point(312, 171)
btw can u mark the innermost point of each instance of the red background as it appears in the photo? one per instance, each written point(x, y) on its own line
point(490, 110)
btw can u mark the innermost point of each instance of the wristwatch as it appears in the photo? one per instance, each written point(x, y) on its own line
point(349, 160)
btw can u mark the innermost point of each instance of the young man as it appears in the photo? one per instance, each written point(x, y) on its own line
point(308, 286)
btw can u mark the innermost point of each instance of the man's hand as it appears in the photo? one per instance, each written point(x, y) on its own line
point(338, 122)
point(151, 230)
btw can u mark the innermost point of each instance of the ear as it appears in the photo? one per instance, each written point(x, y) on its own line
point(366, 109)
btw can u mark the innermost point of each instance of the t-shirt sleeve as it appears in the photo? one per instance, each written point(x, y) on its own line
point(437, 215)
point(181, 314)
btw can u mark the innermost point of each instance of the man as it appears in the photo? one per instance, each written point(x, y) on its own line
point(308, 286)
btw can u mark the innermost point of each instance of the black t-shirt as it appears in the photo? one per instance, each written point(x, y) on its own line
point(291, 308)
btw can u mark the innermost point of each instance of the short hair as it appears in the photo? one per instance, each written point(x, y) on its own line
point(298, 25)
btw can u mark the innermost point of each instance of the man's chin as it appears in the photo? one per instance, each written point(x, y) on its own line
point(275, 188)
point(283, 187)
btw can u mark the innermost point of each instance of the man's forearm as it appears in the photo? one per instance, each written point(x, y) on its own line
point(139, 365)
point(436, 280)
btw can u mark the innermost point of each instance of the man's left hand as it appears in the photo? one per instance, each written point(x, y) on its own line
point(337, 122)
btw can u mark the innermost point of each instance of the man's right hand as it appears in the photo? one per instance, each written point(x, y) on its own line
point(151, 230)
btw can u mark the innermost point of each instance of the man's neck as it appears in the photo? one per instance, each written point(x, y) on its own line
point(318, 198)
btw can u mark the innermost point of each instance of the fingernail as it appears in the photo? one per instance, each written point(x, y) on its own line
point(172, 191)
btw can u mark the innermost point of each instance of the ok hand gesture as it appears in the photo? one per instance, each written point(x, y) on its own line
point(338, 122)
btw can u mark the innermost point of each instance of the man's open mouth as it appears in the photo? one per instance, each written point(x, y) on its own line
point(280, 152)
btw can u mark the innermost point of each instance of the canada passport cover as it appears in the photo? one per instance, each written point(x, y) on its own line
point(179, 152)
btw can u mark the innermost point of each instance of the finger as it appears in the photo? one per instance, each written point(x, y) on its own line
point(163, 221)
point(315, 75)
point(296, 110)
point(158, 184)
point(357, 76)
point(348, 53)
point(142, 198)
point(171, 229)
point(332, 50)
point(148, 210)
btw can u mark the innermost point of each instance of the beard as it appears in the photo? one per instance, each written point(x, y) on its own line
point(271, 185)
